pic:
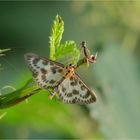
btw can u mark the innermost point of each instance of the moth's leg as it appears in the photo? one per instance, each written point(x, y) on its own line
point(53, 93)
point(55, 89)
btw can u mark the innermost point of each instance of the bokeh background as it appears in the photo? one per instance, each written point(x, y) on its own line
point(112, 29)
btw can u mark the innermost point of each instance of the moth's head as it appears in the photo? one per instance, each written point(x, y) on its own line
point(92, 58)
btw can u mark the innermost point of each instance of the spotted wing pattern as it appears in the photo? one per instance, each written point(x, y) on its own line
point(74, 90)
point(45, 72)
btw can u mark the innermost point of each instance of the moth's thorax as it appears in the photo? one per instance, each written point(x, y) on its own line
point(68, 71)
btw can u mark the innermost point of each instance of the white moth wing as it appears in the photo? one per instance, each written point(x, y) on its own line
point(74, 90)
point(45, 72)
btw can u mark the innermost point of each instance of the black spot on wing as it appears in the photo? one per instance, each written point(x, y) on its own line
point(87, 94)
point(83, 87)
point(52, 81)
point(43, 77)
point(45, 62)
point(71, 78)
point(34, 74)
point(53, 69)
point(75, 92)
point(63, 89)
point(74, 101)
point(74, 81)
point(69, 95)
point(44, 71)
point(60, 70)
point(36, 60)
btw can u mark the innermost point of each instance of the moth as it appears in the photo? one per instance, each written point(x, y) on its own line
point(63, 80)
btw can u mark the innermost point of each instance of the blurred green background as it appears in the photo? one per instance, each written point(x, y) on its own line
point(112, 29)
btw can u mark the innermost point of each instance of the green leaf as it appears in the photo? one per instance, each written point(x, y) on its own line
point(65, 53)
point(10, 99)
point(56, 36)
point(68, 53)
